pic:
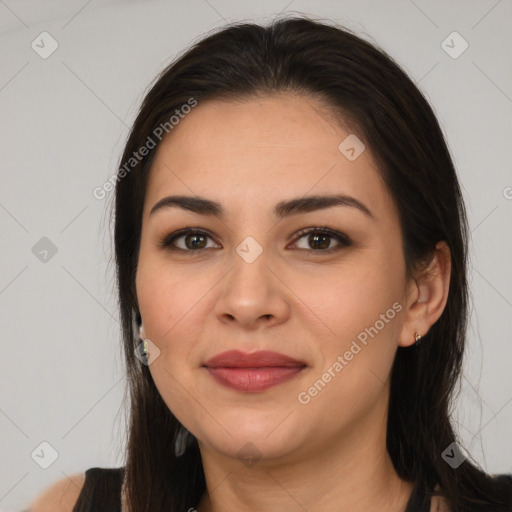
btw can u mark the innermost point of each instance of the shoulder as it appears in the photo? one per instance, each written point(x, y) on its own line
point(61, 496)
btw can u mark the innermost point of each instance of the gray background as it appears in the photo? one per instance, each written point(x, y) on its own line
point(64, 121)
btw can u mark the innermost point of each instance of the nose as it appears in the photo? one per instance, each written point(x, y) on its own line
point(252, 294)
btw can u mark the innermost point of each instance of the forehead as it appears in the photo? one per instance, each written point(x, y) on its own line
point(262, 150)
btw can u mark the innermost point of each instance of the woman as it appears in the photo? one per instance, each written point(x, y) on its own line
point(291, 247)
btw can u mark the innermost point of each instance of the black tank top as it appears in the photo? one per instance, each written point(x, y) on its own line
point(101, 492)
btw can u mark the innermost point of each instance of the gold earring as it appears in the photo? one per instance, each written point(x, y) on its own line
point(417, 338)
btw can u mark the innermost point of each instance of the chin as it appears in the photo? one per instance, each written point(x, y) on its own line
point(253, 443)
point(251, 451)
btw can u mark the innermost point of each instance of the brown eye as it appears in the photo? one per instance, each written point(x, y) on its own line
point(193, 240)
point(319, 239)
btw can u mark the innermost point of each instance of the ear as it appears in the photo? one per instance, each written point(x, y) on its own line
point(142, 332)
point(427, 295)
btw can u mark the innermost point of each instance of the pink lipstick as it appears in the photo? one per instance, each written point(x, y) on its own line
point(254, 371)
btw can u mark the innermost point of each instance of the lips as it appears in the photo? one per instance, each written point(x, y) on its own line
point(255, 371)
point(263, 358)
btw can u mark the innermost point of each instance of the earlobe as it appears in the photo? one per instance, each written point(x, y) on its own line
point(432, 287)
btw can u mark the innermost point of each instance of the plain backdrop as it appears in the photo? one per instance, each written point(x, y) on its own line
point(64, 120)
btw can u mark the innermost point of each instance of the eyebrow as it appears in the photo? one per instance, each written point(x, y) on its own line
point(282, 209)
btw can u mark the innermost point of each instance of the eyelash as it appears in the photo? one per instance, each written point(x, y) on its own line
point(344, 240)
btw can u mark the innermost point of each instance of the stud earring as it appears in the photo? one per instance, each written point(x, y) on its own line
point(417, 338)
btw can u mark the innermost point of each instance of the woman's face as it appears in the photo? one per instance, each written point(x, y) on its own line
point(249, 281)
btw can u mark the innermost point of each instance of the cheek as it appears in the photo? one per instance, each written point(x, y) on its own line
point(174, 305)
point(357, 317)
point(350, 298)
point(361, 316)
point(171, 309)
point(165, 295)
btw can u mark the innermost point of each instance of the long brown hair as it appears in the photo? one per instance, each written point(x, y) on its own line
point(373, 95)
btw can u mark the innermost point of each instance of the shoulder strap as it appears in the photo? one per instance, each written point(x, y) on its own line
point(101, 491)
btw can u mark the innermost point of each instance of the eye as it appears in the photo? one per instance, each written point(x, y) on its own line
point(195, 240)
point(320, 239)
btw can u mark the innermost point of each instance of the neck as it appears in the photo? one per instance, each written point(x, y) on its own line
point(353, 473)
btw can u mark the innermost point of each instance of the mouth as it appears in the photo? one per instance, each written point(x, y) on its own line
point(252, 372)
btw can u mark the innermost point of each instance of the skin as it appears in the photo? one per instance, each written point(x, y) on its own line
point(329, 454)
